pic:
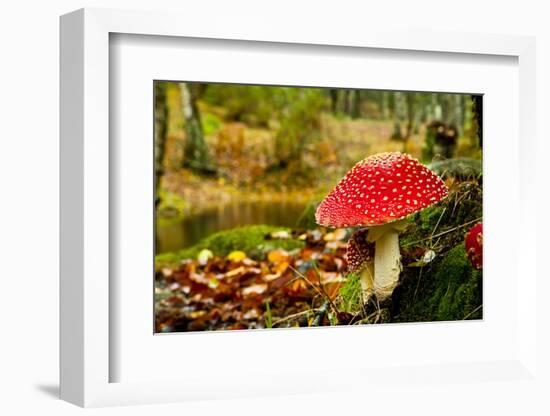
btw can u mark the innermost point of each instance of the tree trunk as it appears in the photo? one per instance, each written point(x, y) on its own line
point(398, 114)
point(356, 104)
point(448, 113)
point(384, 97)
point(458, 118)
point(161, 113)
point(334, 100)
point(434, 112)
point(478, 117)
point(196, 152)
point(411, 113)
point(347, 102)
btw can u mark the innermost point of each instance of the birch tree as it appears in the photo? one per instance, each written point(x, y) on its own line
point(161, 113)
point(399, 114)
point(196, 151)
point(384, 105)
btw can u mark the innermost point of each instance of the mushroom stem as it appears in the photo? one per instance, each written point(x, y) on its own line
point(387, 264)
point(387, 257)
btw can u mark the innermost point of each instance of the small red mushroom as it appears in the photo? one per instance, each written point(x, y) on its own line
point(376, 193)
point(474, 245)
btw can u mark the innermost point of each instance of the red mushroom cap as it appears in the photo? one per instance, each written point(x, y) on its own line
point(379, 189)
point(360, 251)
point(474, 245)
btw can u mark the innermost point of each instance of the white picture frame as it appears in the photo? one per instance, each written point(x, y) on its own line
point(87, 302)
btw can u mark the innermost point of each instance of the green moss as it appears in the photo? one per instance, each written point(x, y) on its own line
point(446, 291)
point(409, 238)
point(468, 210)
point(454, 267)
point(166, 260)
point(462, 168)
point(254, 240)
point(350, 294)
point(449, 276)
point(430, 216)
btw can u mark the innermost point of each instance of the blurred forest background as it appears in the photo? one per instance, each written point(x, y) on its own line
point(240, 171)
point(230, 155)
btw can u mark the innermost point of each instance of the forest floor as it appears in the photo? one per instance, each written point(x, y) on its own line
point(273, 277)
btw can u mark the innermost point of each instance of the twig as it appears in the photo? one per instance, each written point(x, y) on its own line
point(438, 221)
point(294, 315)
point(301, 276)
point(320, 314)
point(418, 282)
point(368, 318)
point(328, 299)
point(443, 232)
point(472, 312)
point(353, 318)
point(319, 290)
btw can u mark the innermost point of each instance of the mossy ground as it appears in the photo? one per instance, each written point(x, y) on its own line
point(255, 240)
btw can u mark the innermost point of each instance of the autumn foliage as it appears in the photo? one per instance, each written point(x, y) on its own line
point(236, 292)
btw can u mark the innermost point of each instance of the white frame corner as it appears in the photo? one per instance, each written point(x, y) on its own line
point(84, 176)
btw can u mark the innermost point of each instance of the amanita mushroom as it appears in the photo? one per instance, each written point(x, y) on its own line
point(474, 245)
point(378, 192)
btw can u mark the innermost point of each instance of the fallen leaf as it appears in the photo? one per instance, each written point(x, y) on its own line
point(329, 237)
point(237, 326)
point(428, 256)
point(249, 262)
point(251, 314)
point(197, 314)
point(328, 277)
point(340, 234)
point(204, 256)
point(272, 276)
point(236, 256)
point(256, 289)
point(199, 278)
point(277, 256)
point(332, 289)
point(336, 244)
point(281, 267)
point(235, 272)
point(309, 254)
point(282, 235)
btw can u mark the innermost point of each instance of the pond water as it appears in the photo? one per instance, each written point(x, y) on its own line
point(178, 234)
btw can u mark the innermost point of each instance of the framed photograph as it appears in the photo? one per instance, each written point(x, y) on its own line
point(280, 213)
point(296, 207)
